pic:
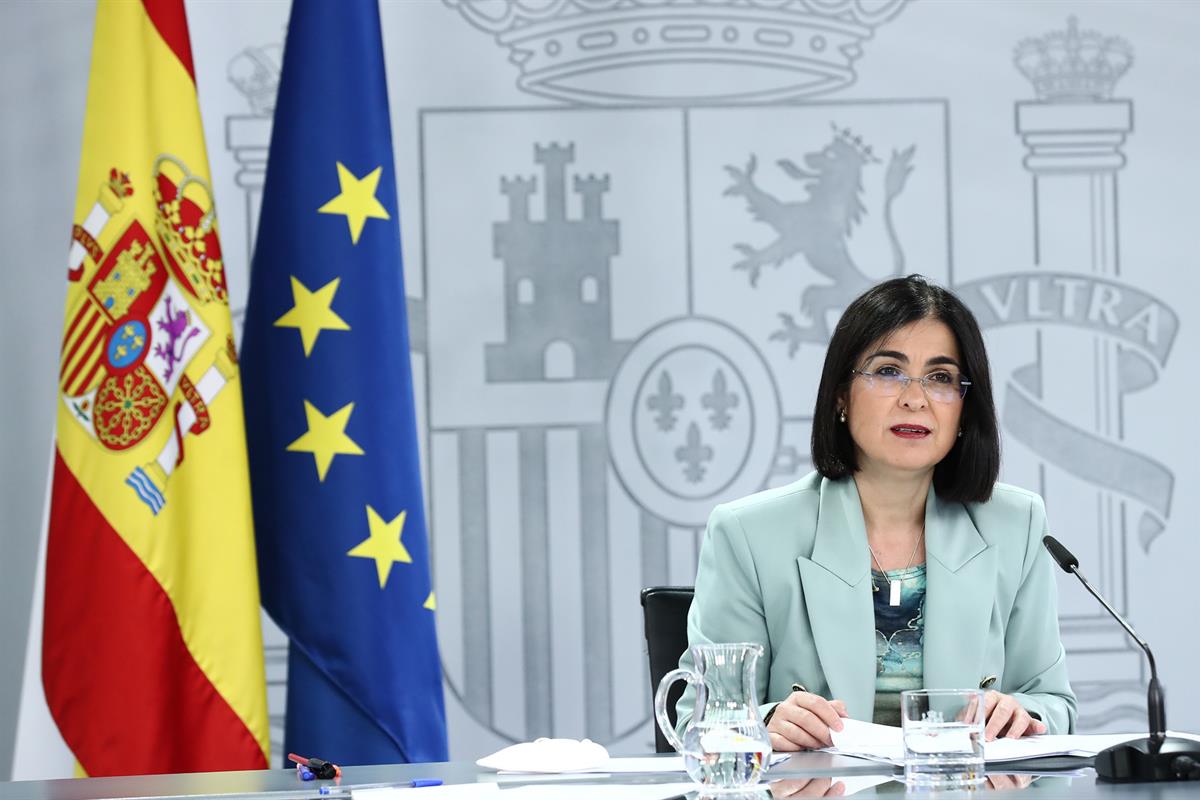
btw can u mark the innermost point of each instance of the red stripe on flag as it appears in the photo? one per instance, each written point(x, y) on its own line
point(69, 358)
point(170, 19)
point(121, 684)
point(76, 389)
point(70, 384)
point(86, 313)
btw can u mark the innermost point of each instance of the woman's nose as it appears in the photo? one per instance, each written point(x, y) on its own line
point(913, 396)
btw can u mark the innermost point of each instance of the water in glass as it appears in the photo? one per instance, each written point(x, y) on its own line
point(943, 738)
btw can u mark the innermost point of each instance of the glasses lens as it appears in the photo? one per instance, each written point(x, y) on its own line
point(945, 387)
point(943, 394)
point(886, 384)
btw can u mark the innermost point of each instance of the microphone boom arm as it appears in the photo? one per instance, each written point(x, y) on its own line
point(1156, 707)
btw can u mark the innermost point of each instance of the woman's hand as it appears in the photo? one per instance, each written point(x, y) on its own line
point(803, 722)
point(1007, 718)
point(1002, 783)
point(807, 787)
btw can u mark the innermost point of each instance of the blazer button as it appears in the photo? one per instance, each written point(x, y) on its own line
point(987, 682)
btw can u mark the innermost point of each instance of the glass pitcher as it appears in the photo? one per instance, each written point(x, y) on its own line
point(725, 745)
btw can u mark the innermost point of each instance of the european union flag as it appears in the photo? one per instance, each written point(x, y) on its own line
point(343, 556)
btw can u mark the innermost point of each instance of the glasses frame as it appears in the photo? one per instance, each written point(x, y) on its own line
point(906, 381)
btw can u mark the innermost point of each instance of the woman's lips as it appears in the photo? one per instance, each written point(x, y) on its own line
point(910, 431)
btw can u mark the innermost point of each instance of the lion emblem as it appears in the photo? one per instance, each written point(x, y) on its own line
point(819, 228)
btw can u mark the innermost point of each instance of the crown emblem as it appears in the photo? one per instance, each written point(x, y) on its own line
point(686, 51)
point(255, 72)
point(855, 142)
point(1073, 65)
point(186, 227)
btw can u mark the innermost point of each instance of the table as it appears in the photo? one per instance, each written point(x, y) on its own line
point(281, 784)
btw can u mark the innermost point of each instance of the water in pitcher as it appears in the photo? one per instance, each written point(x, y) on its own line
point(725, 745)
point(726, 756)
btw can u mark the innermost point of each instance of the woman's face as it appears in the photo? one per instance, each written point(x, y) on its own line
point(898, 428)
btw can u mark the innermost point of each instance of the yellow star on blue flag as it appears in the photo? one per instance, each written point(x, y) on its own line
point(383, 545)
point(356, 200)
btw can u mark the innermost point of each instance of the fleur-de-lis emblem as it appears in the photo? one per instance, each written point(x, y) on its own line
point(665, 403)
point(693, 454)
point(720, 401)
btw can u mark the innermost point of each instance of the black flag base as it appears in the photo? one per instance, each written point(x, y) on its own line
point(1140, 761)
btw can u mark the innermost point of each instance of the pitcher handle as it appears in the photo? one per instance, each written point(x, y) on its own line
point(660, 702)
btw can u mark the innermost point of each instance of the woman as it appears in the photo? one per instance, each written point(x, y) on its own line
point(900, 563)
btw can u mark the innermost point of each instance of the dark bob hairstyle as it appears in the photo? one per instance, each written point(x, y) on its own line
point(970, 469)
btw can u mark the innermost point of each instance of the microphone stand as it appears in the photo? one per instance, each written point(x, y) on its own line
point(1158, 757)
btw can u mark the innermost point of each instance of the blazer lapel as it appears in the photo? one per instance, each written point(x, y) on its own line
point(960, 578)
point(837, 594)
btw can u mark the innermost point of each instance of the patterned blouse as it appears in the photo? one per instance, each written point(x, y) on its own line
point(899, 640)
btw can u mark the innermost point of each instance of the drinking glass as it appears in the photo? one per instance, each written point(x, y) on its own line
point(943, 737)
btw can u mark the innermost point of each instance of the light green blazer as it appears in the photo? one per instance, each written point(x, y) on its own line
point(789, 568)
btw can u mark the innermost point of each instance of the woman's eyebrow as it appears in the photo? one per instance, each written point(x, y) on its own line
point(942, 360)
point(889, 354)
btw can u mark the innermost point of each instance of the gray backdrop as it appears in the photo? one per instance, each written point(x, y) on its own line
point(627, 227)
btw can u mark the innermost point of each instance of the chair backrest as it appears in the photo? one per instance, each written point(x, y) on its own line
point(665, 610)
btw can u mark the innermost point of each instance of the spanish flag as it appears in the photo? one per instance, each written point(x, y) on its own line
point(152, 647)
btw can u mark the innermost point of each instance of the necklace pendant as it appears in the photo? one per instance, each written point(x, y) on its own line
point(894, 599)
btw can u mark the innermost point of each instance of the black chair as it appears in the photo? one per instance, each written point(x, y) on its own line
point(665, 610)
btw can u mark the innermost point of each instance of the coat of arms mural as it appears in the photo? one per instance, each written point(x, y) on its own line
point(627, 288)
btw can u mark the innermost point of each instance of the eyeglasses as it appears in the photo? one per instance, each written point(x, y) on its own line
point(942, 385)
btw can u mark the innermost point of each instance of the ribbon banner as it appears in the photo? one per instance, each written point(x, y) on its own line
point(1145, 329)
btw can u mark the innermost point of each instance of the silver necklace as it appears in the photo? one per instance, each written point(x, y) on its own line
point(894, 586)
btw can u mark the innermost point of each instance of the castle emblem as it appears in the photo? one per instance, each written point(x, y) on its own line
point(557, 279)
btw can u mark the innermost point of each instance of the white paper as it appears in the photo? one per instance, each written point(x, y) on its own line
point(508, 778)
point(868, 740)
point(601, 791)
point(456, 791)
point(660, 763)
point(793, 786)
point(886, 743)
point(858, 783)
point(632, 764)
point(642, 764)
point(547, 755)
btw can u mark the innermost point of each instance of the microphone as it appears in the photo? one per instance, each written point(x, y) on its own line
point(1158, 757)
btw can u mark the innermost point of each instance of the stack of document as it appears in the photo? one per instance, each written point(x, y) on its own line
point(886, 743)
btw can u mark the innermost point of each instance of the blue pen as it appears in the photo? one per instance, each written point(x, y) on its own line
point(342, 791)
